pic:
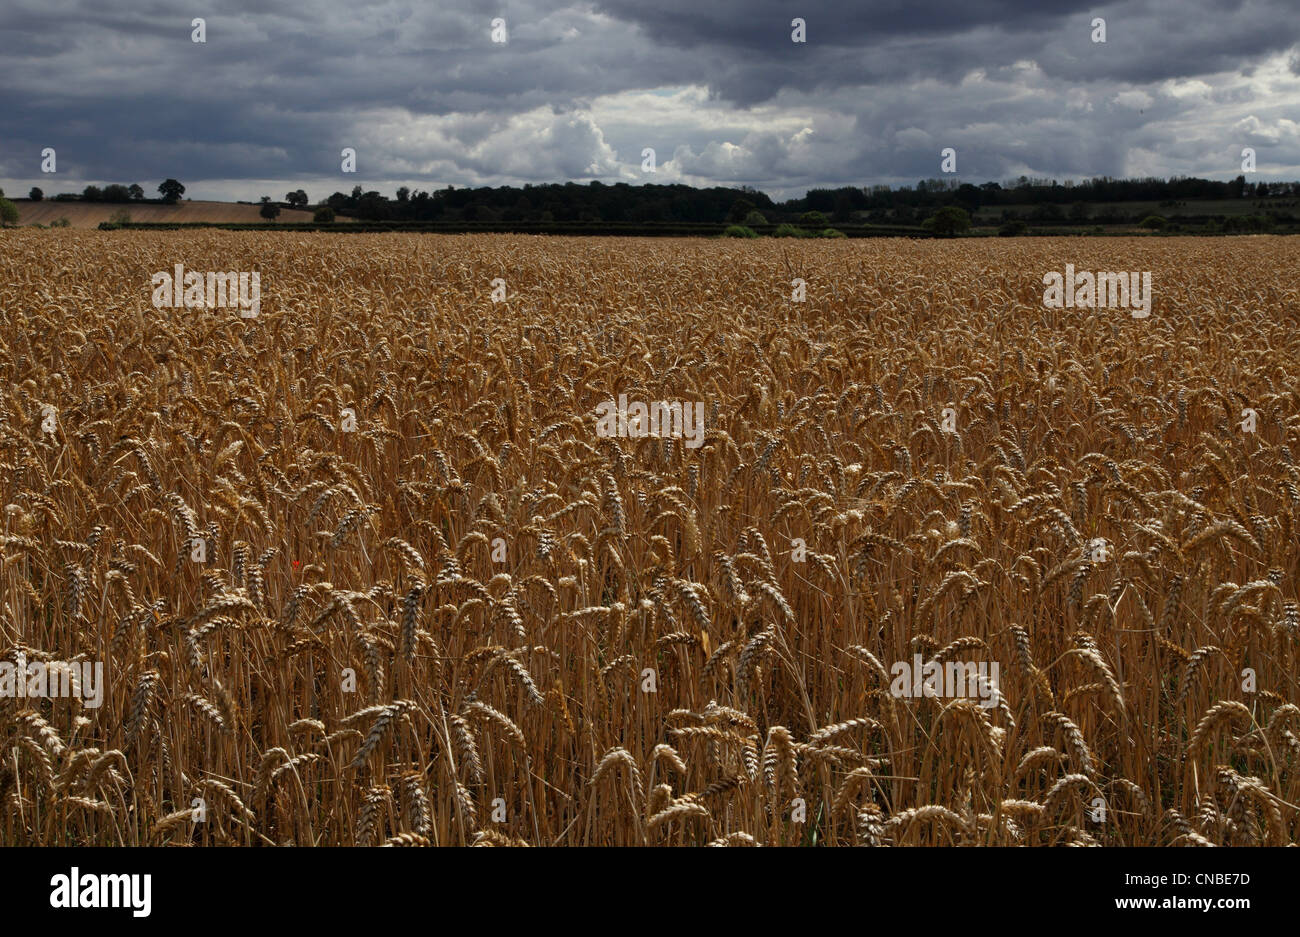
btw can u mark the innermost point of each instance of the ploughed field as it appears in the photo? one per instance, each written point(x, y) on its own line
point(380, 565)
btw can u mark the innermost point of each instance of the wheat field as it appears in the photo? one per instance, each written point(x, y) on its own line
point(469, 619)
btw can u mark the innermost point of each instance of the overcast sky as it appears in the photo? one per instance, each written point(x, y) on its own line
point(578, 91)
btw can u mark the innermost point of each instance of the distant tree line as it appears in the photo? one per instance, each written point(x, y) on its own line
point(1052, 203)
point(622, 202)
point(932, 193)
point(112, 193)
point(169, 189)
point(566, 202)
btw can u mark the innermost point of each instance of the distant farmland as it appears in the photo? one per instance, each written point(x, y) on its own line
point(90, 214)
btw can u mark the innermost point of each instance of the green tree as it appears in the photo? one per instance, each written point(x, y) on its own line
point(8, 212)
point(1153, 222)
point(948, 221)
point(92, 193)
point(171, 191)
point(968, 197)
point(740, 208)
point(324, 215)
point(739, 231)
point(297, 199)
point(814, 219)
point(35, 194)
point(136, 193)
point(755, 218)
point(270, 210)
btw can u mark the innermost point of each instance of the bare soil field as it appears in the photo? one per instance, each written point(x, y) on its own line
point(369, 569)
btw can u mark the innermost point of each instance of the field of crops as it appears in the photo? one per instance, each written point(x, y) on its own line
point(457, 614)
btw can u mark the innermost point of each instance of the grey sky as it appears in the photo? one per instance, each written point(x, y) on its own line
point(717, 88)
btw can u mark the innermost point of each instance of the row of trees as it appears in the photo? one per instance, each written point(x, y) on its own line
point(932, 193)
point(170, 189)
point(597, 202)
point(621, 202)
point(569, 201)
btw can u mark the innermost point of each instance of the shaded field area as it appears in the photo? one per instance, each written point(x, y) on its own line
point(365, 570)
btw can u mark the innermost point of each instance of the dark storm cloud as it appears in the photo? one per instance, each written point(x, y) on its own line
point(765, 26)
point(427, 98)
point(880, 43)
